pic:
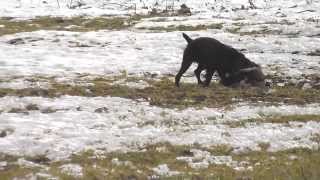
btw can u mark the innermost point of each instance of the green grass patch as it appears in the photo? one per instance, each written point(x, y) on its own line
point(164, 93)
point(275, 119)
point(184, 27)
point(12, 169)
point(262, 31)
point(265, 31)
point(265, 27)
point(296, 163)
point(78, 24)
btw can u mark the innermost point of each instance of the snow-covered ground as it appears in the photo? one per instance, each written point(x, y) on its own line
point(204, 8)
point(74, 124)
point(55, 53)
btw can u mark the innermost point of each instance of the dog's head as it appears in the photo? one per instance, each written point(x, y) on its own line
point(250, 72)
point(253, 76)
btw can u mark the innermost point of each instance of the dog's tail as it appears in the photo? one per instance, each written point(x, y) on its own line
point(187, 38)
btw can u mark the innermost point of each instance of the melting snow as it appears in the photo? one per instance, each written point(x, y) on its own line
point(202, 159)
point(74, 170)
point(123, 124)
point(128, 125)
point(138, 53)
point(203, 8)
point(163, 170)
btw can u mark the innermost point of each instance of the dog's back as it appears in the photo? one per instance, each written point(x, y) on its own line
point(212, 53)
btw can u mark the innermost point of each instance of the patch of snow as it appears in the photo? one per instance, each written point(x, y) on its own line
point(245, 111)
point(163, 170)
point(21, 83)
point(117, 162)
point(67, 8)
point(74, 170)
point(44, 175)
point(77, 125)
point(139, 53)
point(202, 159)
point(129, 125)
point(29, 164)
point(3, 165)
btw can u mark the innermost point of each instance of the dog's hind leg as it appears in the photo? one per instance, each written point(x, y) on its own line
point(198, 71)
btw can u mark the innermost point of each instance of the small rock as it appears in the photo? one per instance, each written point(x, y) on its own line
point(77, 4)
point(306, 86)
point(33, 39)
point(280, 14)
point(184, 10)
point(56, 40)
point(18, 110)
point(48, 110)
point(32, 107)
point(102, 110)
point(295, 52)
point(79, 108)
point(16, 41)
point(3, 134)
point(314, 53)
point(154, 11)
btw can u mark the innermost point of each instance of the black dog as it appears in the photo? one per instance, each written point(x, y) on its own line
point(212, 55)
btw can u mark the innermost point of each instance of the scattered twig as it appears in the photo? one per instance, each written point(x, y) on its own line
point(58, 3)
point(308, 10)
point(309, 1)
point(252, 5)
point(70, 4)
point(172, 5)
point(166, 5)
point(123, 5)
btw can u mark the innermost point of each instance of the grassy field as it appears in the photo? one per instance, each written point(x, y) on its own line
point(296, 163)
point(163, 160)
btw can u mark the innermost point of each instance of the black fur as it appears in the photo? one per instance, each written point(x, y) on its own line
point(212, 55)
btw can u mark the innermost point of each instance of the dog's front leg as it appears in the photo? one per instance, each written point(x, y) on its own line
point(209, 75)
